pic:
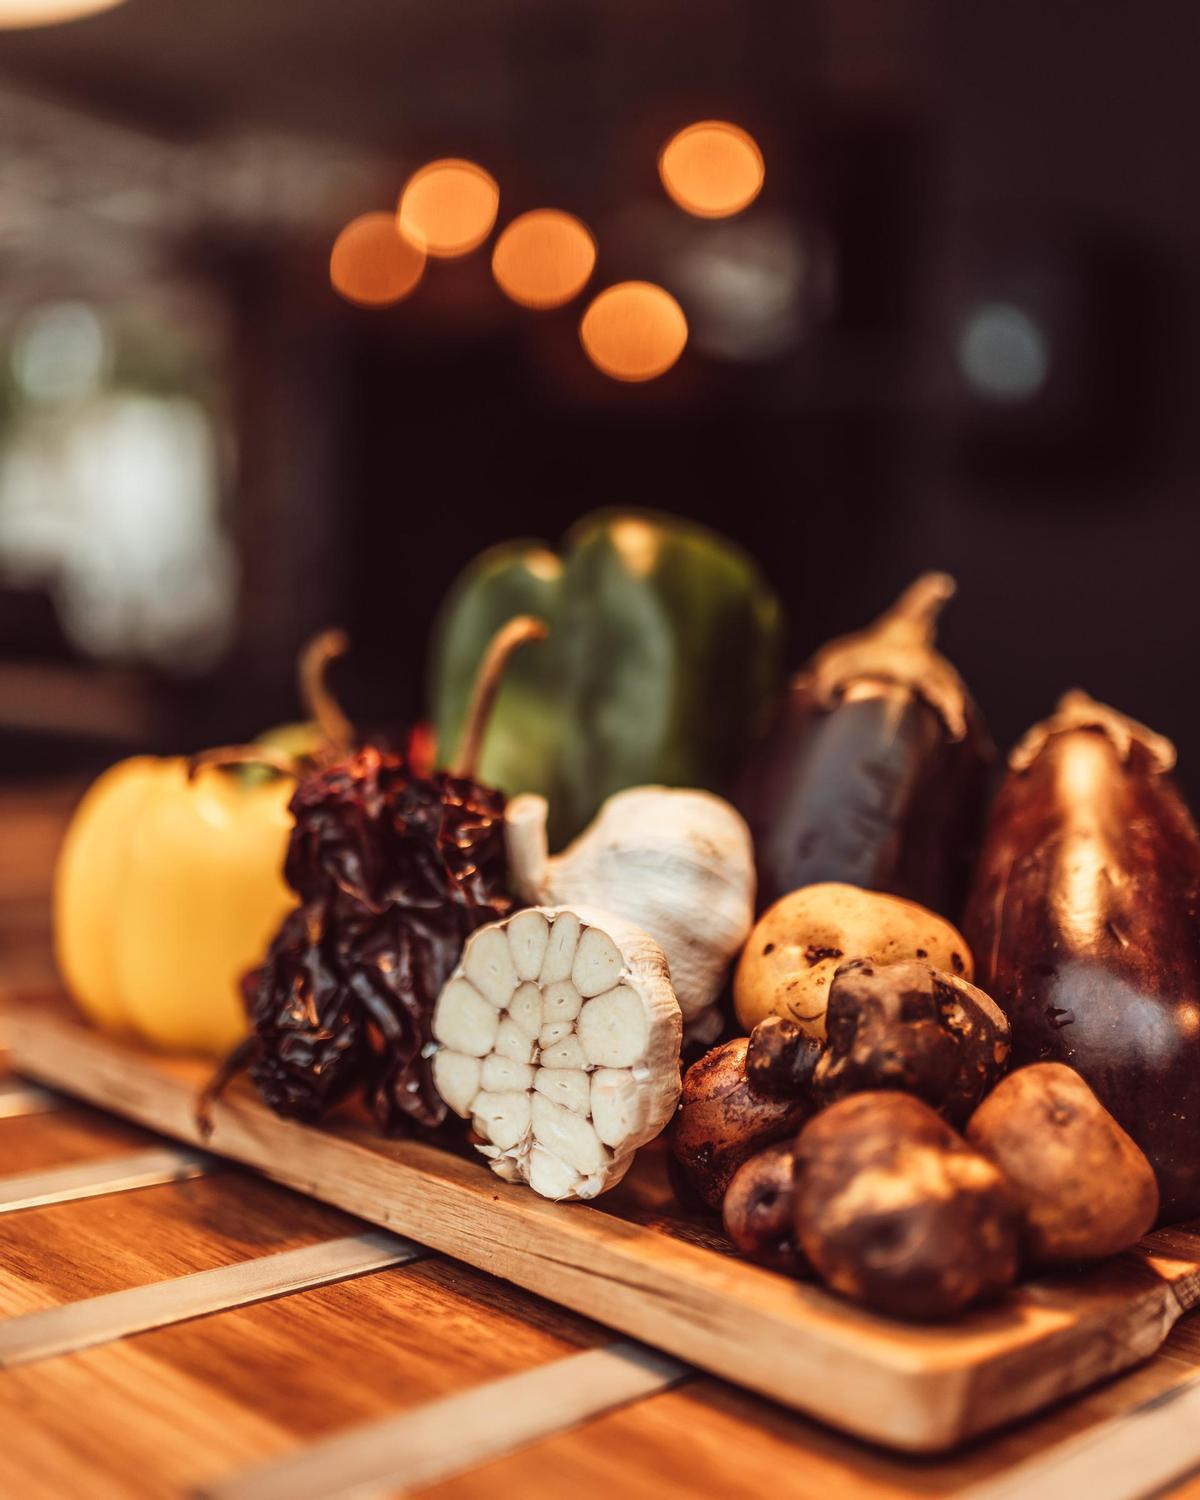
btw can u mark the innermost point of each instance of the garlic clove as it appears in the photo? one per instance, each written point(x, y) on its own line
point(566, 1086)
point(525, 1009)
point(561, 1001)
point(514, 1043)
point(568, 1053)
point(464, 1021)
point(457, 1077)
point(598, 963)
point(616, 1105)
point(569, 1136)
point(528, 934)
point(504, 1118)
point(500, 1074)
point(560, 948)
point(612, 1028)
point(490, 968)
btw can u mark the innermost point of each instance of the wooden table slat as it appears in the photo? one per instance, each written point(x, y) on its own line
point(96, 1320)
point(118, 1174)
point(445, 1437)
point(18, 1098)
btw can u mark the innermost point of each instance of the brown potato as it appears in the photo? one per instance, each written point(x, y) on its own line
point(759, 1210)
point(722, 1121)
point(894, 1209)
point(781, 1058)
point(907, 1026)
point(798, 944)
point(1085, 1189)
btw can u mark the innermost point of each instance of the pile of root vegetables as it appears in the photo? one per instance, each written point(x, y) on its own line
point(894, 1157)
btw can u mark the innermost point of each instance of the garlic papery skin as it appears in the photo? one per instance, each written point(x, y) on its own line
point(679, 863)
point(558, 1037)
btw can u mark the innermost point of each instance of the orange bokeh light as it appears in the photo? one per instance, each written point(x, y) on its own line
point(543, 258)
point(449, 207)
point(372, 263)
point(634, 331)
point(712, 169)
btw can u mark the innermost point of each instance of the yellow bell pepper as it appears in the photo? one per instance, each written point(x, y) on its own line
point(166, 892)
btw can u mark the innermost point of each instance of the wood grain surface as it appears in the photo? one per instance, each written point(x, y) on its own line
point(168, 1412)
point(920, 1389)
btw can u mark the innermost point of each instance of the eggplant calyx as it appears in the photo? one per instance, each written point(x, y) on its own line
point(1077, 711)
point(898, 648)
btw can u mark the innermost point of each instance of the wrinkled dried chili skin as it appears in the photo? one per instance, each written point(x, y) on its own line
point(394, 872)
point(312, 1045)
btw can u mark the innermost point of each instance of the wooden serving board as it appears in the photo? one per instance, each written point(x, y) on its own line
point(637, 1263)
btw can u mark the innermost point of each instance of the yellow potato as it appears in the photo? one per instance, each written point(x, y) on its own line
point(790, 958)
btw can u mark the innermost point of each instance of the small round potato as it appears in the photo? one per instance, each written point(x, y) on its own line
point(722, 1121)
point(894, 1210)
point(1085, 1189)
point(759, 1210)
point(792, 954)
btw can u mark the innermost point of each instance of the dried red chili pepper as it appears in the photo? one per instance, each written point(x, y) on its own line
point(311, 1043)
point(394, 870)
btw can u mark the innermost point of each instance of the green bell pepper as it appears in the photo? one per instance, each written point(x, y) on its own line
point(663, 655)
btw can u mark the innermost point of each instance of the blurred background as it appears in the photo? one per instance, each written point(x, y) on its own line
point(940, 306)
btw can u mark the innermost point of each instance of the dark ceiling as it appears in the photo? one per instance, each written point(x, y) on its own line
point(378, 72)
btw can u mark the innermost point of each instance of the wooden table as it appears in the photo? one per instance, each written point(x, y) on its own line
point(164, 1412)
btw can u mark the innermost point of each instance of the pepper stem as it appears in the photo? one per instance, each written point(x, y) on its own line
point(236, 1062)
point(243, 755)
point(319, 702)
point(519, 630)
point(914, 615)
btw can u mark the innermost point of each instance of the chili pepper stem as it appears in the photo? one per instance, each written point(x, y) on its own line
point(508, 638)
point(237, 1062)
point(243, 755)
point(320, 704)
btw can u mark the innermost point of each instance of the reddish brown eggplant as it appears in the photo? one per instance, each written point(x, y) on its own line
point(874, 772)
point(1085, 925)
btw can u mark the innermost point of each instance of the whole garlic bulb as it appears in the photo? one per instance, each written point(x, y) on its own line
point(558, 1038)
point(678, 863)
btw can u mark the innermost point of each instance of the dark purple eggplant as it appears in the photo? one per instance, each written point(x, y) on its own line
point(1085, 925)
point(874, 771)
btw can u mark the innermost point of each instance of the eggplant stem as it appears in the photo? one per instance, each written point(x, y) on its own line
point(898, 648)
point(1076, 710)
point(915, 613)
point(319, 703)
point(243, 755)
point(519, 630)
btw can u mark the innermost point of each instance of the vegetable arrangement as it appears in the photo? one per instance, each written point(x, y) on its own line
point(412, 940)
